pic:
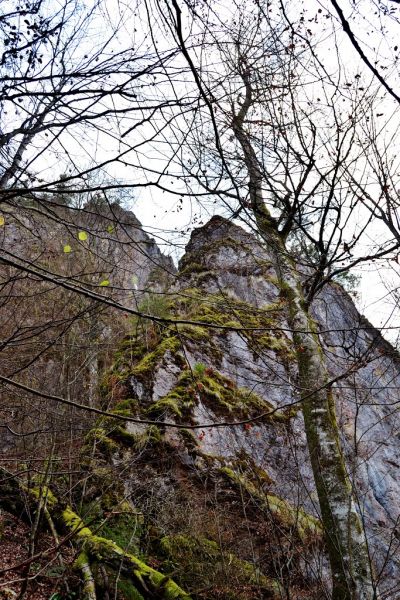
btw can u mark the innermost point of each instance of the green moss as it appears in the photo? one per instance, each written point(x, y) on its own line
point(102, 549)
point(154, 434)
point(213, 388)
point(129, 404)
point(99, 436)
point(246, 465)
point(216, 310)
point(195, 305)
point(122, 527)
point(150, 437)
point(177, 402)
point(194, 332)
point(148, 363)
point(199, 563)
point(216, 391)
point(122, 437)
point(221, 393)
point(191, 268)
point(169, 404)
point(128, 590)
point(228, 311)
point(306, 525)
point(81, 560)
point(82, 563)
point(131, 350)
point(75, 523)
point(285, 289)
point(45, 493)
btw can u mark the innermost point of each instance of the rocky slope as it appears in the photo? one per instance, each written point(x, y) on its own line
point(248, 486)
point(215, 490)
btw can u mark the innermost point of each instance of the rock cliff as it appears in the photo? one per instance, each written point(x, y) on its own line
point(246, 484)
point(208, 480)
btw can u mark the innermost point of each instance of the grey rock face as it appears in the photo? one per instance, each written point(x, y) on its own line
point(222, 259)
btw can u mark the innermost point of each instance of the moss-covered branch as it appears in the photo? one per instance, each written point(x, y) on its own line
point(99, 549)
point(89, 587)
point(93, 550)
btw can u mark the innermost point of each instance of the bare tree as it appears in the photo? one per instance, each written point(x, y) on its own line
point(279, 170)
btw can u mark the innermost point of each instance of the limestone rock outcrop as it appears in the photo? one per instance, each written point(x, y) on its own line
point(230, 360)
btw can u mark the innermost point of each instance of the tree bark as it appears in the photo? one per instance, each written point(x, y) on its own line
point(344, 534)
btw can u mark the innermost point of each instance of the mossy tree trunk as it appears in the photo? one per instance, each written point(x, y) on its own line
point(345, 538)
point(136, 579)
point(146, 582)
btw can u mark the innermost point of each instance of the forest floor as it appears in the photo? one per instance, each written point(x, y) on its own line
point(46, 574)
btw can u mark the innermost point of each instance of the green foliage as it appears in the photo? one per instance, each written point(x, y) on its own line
point(199, 370)
point(350, 282)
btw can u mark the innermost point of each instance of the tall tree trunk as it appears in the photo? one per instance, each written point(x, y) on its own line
point(345, 539)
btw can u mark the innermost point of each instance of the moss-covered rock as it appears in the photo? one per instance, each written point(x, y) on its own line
point(146, 366)
point(259, 325)
point(215, 390)
point(200, 564)
point(296, 519)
